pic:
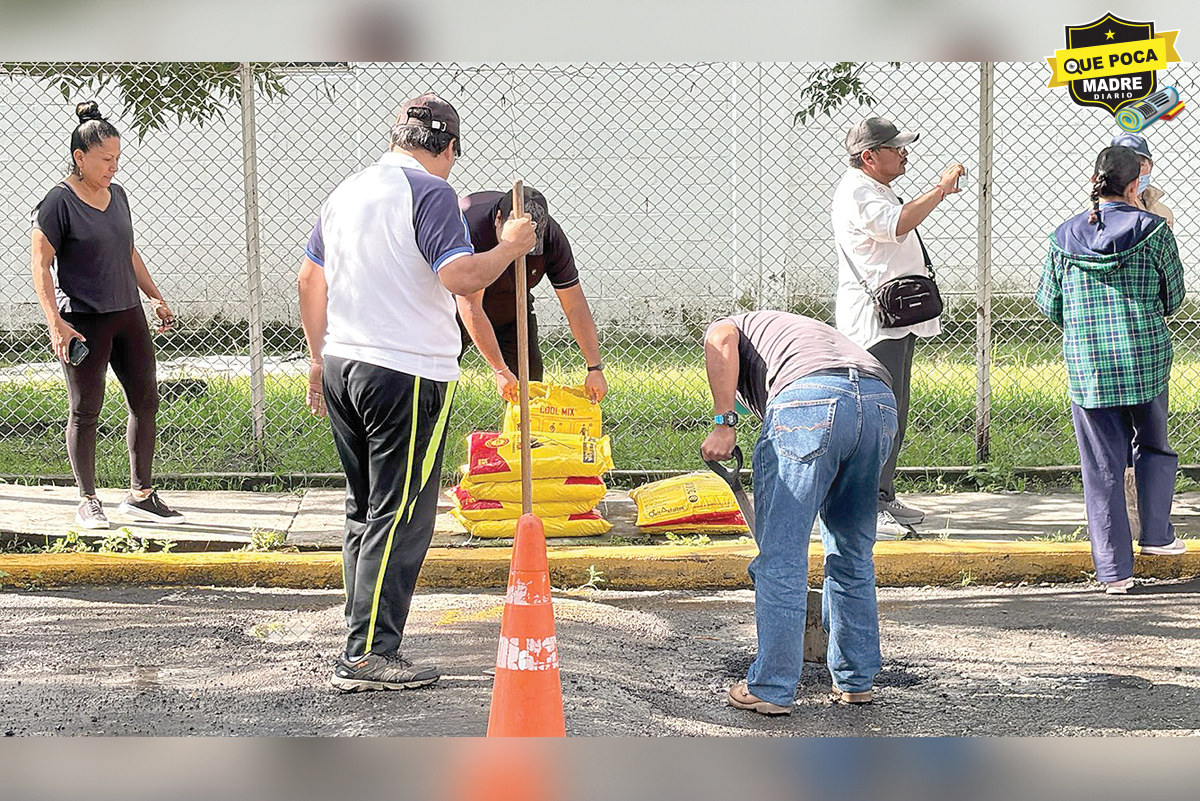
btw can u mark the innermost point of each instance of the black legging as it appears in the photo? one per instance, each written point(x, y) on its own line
point(121, 339)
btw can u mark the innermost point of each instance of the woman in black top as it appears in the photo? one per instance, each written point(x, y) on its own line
point(87, 273)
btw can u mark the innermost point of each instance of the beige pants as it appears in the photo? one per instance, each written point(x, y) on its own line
point(1135, 522)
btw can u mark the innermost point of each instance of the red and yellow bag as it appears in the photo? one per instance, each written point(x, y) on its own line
point(728, 524)
point(555, 409)
point(589, 524)
point(695, 498)
point(497, 457)
point(475, 509)
point(587, 489)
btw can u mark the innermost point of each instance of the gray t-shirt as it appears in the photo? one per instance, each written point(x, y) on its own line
point(776, 348)
point(93, 251)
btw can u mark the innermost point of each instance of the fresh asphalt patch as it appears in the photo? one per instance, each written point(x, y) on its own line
point(1050, 660)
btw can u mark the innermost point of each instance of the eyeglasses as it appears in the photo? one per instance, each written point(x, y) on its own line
point(900, 151)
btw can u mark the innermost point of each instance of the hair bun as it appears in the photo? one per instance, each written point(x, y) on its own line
point(89, 110)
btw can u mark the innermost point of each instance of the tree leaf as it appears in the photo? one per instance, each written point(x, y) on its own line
point(152, 93)
point(830, 87)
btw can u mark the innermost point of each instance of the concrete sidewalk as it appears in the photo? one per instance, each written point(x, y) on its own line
point(312, 519)
point(970, 538)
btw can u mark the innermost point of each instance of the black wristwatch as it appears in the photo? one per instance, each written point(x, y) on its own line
point(596, 368)
point(728, 419)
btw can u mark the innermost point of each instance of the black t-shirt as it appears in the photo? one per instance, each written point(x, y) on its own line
point(555, 261)
point(776, 348)
point(93, 251)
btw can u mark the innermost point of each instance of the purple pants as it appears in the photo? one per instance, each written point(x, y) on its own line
point(1105, 437)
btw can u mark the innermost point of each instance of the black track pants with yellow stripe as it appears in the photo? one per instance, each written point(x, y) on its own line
point(390, 431)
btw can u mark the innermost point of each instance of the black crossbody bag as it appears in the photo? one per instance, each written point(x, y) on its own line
point(907, 300)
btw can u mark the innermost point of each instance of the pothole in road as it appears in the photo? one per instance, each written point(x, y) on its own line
point(893, 674)
point(1115, 681)
point(146, 677)
point(898, 674)
point(284, 630)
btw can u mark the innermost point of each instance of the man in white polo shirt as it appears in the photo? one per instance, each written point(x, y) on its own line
point(388, 253)
point(878, 232)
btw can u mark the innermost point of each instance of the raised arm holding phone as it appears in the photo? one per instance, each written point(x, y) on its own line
point(876, 238)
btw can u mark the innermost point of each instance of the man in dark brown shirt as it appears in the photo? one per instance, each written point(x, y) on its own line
point(489, 317)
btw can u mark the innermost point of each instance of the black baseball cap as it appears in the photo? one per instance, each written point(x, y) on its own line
point(429, 111)
point(876, 132)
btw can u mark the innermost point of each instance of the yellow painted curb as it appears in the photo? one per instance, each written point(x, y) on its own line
point(652, 567)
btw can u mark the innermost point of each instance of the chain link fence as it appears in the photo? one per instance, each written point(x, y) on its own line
point(687, 192)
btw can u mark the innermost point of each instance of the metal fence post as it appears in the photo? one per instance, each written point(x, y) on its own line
point(983, 274)
point(258, 395)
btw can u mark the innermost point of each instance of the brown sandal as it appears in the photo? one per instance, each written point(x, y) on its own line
point(845, 697)
point(741, 698)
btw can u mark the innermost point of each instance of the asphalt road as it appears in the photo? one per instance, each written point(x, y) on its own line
point(1055, 660)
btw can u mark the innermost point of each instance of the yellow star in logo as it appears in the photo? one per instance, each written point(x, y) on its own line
point(1108, 34)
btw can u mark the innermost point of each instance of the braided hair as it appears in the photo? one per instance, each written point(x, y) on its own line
point(93, 128)
point(1116, 167)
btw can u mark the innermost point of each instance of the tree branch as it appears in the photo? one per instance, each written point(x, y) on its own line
point(151, 93)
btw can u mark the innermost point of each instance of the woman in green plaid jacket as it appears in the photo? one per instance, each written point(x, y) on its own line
point(1111, 278)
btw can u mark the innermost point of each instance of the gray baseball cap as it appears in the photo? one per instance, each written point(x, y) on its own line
point(1137, 144)
point(876, 132)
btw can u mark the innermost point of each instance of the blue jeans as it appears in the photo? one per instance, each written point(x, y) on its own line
point(824, 440)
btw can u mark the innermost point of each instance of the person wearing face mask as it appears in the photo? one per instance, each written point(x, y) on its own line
point(489, 317)
point(1111, 277)
point(1148, 197)
point(87, 273)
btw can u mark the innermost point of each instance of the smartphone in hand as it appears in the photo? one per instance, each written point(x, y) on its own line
point(76, 351)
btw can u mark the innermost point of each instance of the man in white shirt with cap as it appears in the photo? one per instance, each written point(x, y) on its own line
point(872, 227)
point(388, 253)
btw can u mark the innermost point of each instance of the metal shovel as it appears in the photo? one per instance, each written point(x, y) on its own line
point(816, 639)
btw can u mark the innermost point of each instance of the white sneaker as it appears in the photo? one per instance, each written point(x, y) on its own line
point(90, 514)
point(1118, 587)
point(1174, 549)
point(886, 527)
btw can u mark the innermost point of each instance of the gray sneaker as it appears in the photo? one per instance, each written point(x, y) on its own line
point(904, 515)
point(90, 514)
point(381, 672)
point(886, 528)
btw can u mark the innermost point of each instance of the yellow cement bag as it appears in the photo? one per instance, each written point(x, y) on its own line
point(695, 498)
point(731, 524)
point(584, 525)
point(555, 409)
point(497, 457)
point(475, 509)
point(586, 489)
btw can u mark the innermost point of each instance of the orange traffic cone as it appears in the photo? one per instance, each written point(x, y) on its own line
point(503, 770)
point(527, 693)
